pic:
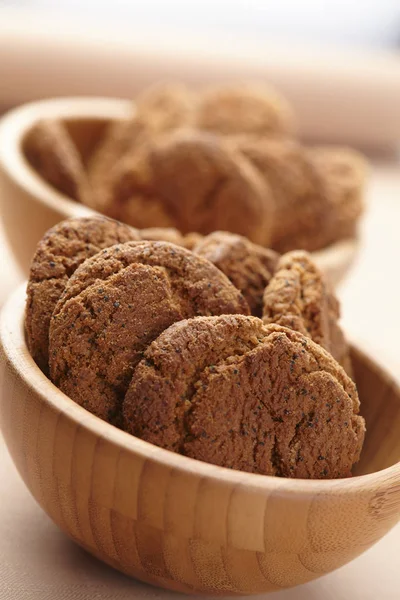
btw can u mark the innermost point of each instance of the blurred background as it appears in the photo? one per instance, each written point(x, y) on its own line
point(337, 62)
point(371, 23)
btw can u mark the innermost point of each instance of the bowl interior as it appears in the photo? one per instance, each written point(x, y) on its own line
point(380, 406)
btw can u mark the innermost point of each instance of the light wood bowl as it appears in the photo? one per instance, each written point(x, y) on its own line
point(30, 206)
point(183, 524)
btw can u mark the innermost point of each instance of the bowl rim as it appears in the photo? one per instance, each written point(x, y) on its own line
point(16, 122)
point(12, 339)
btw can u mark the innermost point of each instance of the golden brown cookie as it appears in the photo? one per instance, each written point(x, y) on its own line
point(115, 304)
point(193, 182)
point(249, 266)
point(62, 249)
point(299, 297)
point(253, 109)
point(344, 172)
point(303, 210)
point(170, 234)
point(167, 106)
point(50, 150)
point(317, 192)
point(234, 392)
point(158, 109)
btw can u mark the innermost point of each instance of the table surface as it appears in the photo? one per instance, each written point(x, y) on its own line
point(37, 562)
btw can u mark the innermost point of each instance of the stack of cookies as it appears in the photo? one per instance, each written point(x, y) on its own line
point(225, 352)
point(222, 159)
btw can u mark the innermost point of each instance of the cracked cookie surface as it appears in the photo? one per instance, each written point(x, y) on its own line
point(317, 192)
point(62, 249)
point(249, 266)
point(299, 297)
point(190, 181)
point(303, 210)
point(234, 392)
point(115, 304)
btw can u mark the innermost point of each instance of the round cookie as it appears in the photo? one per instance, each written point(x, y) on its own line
point(158, 109)
point(298, 297)
point(193, 182)
point(234, 392)
point(52, 153)
point(303, 209)
point(62, 249)
point(251, 109)
point(344, 172)
point(249, 266)
point(115, 304)
point(167, 106)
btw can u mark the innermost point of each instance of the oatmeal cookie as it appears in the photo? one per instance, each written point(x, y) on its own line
point(317, 192)
point(299, 297)
point(249, 266)
point(193, 182)
point(344, 172)
point(62, 249)
point(234, 392)
point(303, 211)
point(115, 304)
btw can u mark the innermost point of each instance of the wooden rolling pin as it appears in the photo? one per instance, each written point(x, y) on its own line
point(339, 97)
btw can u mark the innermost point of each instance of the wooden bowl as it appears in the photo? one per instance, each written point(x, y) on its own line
point(183, 524)
point(30, 205)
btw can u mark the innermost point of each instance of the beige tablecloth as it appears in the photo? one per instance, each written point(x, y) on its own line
point(37, 562)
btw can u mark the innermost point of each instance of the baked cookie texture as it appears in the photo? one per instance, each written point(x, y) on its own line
point(232, 391)
point(298, 297)
point(62, 249)
point(317, 193)
point(170, 234)
point(193, 182)
point(224, 158)
point(248, 266)
point(344, 172)
point(245, 108)
point(157, 340)
point(52, 153)
point(168, 106)
point(159, 109)
point(115, 304)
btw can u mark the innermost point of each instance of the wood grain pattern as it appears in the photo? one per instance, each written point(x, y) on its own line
point(186, 525)
point(24, 192)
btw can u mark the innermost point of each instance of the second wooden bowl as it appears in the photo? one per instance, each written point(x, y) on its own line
point(30, 206)
point(183, 524)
